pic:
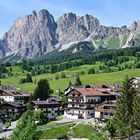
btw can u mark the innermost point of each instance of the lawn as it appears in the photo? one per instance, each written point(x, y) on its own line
point(82, 131)
point(79, 131)
point(55, 132)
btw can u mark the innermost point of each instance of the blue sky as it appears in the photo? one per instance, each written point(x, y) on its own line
point(109, 12)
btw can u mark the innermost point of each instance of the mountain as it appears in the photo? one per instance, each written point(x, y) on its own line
point(38, 33)
point(32, 35)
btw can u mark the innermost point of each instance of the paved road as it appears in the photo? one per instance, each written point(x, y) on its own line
point(9, 131)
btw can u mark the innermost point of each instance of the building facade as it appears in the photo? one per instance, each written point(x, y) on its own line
point(105, 110)
point(82, 100)
point(13, 110)
point(51, 108)
point(11, 94)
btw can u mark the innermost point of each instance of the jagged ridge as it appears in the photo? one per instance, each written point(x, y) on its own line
point(38, 33)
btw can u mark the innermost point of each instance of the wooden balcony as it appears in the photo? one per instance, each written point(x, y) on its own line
point(81, 108)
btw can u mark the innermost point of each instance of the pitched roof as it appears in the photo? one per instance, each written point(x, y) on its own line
point(14, 104)
point(46, 104)
point(95, 91)
point(15, 93)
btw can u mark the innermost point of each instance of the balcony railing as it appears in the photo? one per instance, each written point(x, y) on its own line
point(87, 103)
point(80, 108)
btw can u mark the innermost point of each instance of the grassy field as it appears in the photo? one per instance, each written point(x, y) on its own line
point(62, 83)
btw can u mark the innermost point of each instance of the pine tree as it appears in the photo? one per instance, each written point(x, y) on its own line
point(136, 111)
point(42, 90)
point(70, 83)
point(78, 81)
point(26, 127)
point(29, 78)
point(124, 111)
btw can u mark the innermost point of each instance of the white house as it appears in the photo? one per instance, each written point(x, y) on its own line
point(82, 100)
point(10, 94)
point(135, 81)
point(51, 108)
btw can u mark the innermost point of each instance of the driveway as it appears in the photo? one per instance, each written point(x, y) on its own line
point(9, 131)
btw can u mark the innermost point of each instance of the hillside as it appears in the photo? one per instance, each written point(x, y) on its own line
point(62, 83)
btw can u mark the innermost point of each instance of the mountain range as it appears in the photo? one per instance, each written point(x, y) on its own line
point(38, 33)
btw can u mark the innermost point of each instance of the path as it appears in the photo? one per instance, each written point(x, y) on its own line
point(9, 130)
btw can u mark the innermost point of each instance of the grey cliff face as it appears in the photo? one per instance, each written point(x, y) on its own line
point(104, 32)
point(32, 35)
point(72, 28)
point(135, 27)
point(38, 33)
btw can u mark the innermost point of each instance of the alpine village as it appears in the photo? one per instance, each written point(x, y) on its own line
point(70, 78)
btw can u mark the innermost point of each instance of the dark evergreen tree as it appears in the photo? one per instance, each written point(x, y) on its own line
point(91, 71)
point(124, 111)
point(70, 83)
point(42, 90)
point(136, 111)
point(78, 81)
point(29, 78)
point(26, 127)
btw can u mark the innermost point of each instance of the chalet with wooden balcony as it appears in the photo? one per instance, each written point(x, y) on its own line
point(82, 100)
point(51, 108)
point(105, 110)
point(13, 110)
point(12, 94)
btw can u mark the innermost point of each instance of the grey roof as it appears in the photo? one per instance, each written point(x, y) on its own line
point(15, 104)
point(45, 102)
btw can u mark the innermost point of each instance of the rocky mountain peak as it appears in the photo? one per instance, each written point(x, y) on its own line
point(71, 28)
point(32, 35)
point(38, 33)
point(135, 26)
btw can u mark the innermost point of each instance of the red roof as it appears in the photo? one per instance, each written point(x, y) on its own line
point(94, 91)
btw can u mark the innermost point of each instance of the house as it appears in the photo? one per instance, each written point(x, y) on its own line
point(135, 81)
point(12, 94)
point(82, 100)
point(50, 107)
point(105, 110)
point(1, 125)
point(14, 109)
point(54, 98)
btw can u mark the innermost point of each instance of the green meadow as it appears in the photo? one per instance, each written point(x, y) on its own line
point(62, 83)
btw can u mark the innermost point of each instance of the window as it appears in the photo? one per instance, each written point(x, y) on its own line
point(79, 112)
point(52, 114)
point(88, 100)
point(91, 100)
